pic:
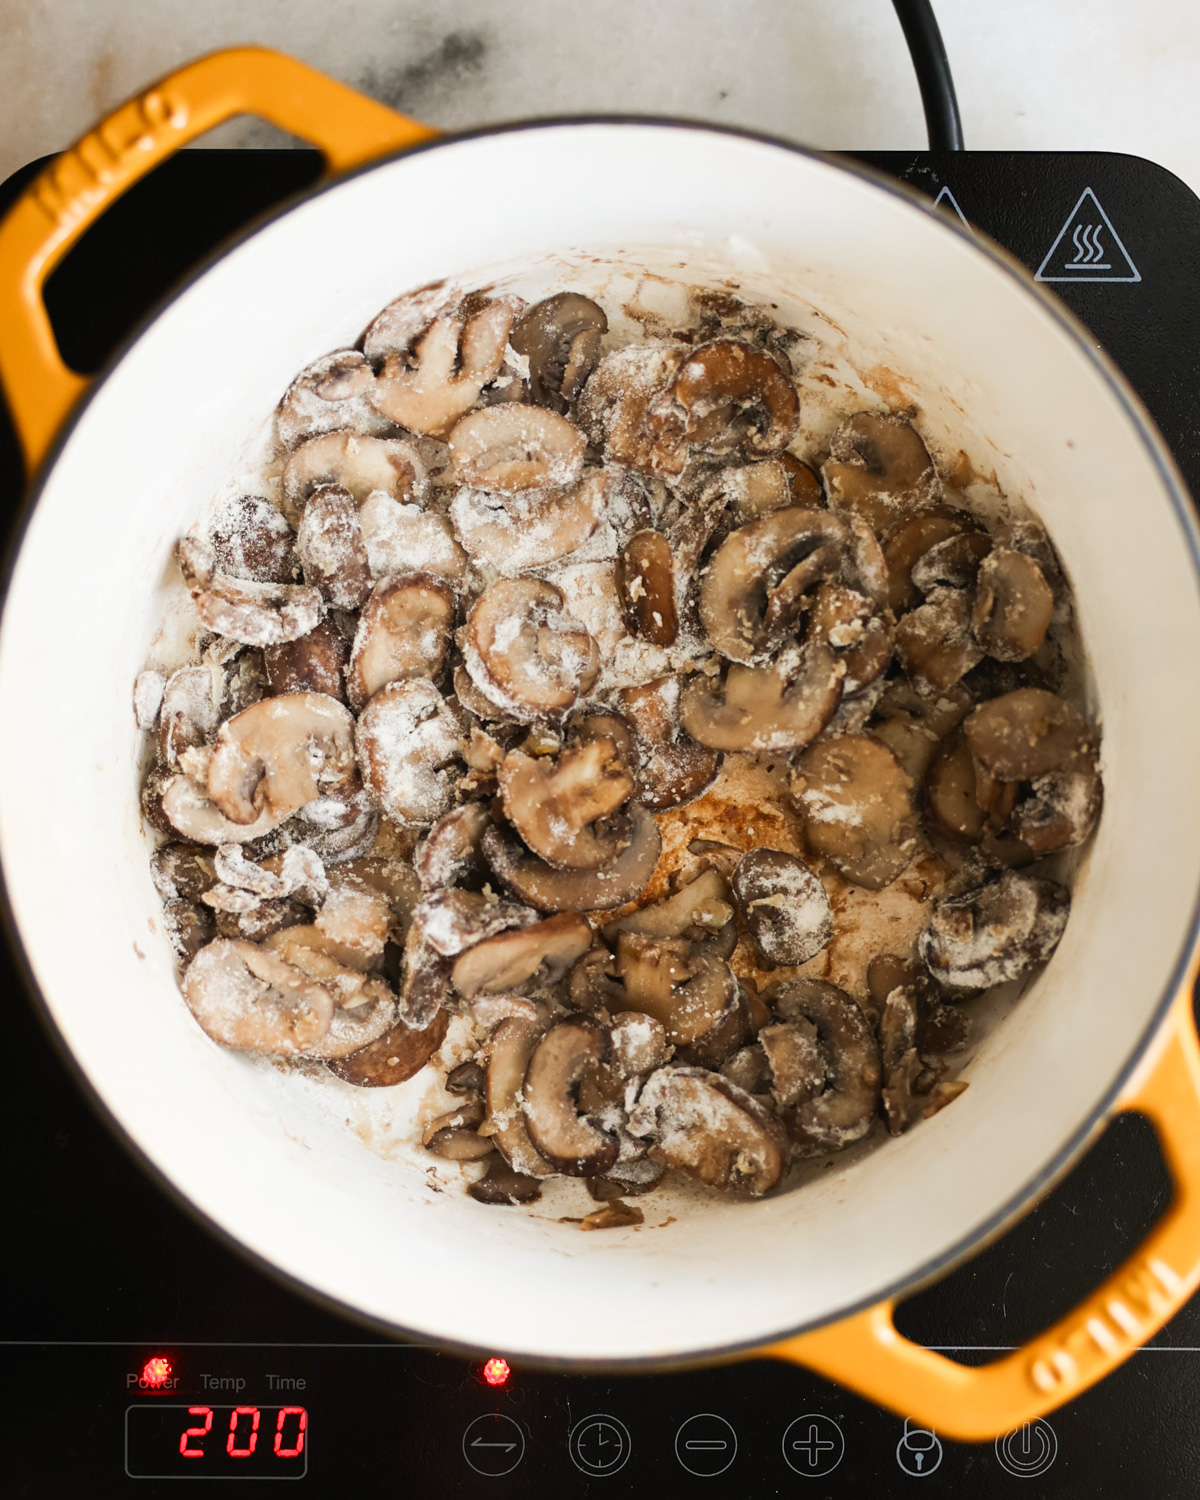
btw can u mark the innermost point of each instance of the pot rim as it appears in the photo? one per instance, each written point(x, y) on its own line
point(1018, 1203)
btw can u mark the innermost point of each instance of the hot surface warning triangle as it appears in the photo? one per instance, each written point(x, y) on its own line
point(1088, 248)
point(947, 201)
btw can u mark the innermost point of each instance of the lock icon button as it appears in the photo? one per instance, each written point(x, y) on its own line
point(919, 1451)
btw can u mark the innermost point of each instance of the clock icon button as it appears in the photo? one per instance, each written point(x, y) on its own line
point(599, 1445)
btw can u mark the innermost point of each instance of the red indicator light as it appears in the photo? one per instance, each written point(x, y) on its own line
point(496, 1372)
point(156, 1370)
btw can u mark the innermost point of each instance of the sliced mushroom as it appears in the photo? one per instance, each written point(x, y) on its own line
point(250, 539)
point(907, 544)
point(312, 663)
point(784, 905)
point(524, 652)
point(182, 871)
point(360, 465)
point(728, 1034)
point(519, 531)
point(188, 928)
point(401, 323)
point(403, 633)
point(544, 951)
point(1025, 734)
point(453, 362)
point(688, 992)
point(900, 1061)
point(793, 1054)
point(565, 1138)
point(779, 707)
point(995, 933)
point(614, 407)
point(245, 997)
point(953, 563)
point(753, 590)
point(466, 1078)
point(857, 804)
point(334, 392)
point(565, 807)
point(757, 489)
point(515, 447)
point(879, 467)
point(560, 337)
point(449, 854)
point(189, 713)
point(725, 395)
point(843, 1110)
point(712, 1130)
point(548, 889)
point(508, 1052)
point(405, 539)
point(1060, 810)
point(672, 769)
point(331, 550)
point(749, 1069)
point(502, 1184)
point(951, 790)
point(257, 614)
point(339, 827)
point(639, 1045)
point(1013, 605)
point(697, 911)
point(455, 1134)
point(442, 926)
point(187, 811)
point(934, 641)
point(280, 754)
point(646, 584)
point(845, 621)
point(398, 1055)
point(407, 739)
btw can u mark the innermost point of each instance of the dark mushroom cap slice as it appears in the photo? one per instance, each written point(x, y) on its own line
point(455, 1134)
point(1025, 734)
point(403, 632)
point(313, 663)
point(752, 591)
point(1060, 810)
point(995, 933)
point(565, 806)
point(953, 563)
point(686, 990)
point(779, 707)
point(407, 739)
point(793, 1054)
point(1013, 605)
point(331, 550)
point(728, 394)
point(728, 1034)
point(845, 620)
point(515, 447)
point(507, 1054)
point(560, 337)
point(543, 950)
point(332, 393)
point(501, 1184)
point(857, 804)
point(879, 467)
point(842, 1112)
point(564, 1137)
point(784, 905)
point(712, 1130)
point(449, 853)
point(522, 650)
point(951, 790)
point(672, 768)
point(906, 544)
point(250, 539)
point(547, 889)
point(935, 642)
point(646, 583)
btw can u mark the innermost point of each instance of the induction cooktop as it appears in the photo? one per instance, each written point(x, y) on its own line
point(138, 1349)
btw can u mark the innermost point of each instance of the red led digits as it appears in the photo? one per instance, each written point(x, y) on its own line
point(196, 1432)
point(156, 1370)
point(285, 1412)
point(231, 1442)
point(496, 1371)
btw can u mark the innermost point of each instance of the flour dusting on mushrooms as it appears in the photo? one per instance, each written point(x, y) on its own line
point(563, 691)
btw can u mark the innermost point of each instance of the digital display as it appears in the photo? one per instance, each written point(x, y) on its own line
point(215, 1442)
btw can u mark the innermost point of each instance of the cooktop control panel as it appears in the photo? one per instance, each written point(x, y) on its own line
point(139, 1350)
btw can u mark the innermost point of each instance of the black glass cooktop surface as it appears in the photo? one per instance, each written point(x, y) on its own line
point(107, 1274)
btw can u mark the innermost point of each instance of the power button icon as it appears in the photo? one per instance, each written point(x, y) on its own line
point(919, 1450)
point(1027, 1450)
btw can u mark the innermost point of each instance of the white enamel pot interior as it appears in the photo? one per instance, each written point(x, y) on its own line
point(885, 289)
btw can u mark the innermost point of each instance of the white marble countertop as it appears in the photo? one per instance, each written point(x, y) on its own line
point(1031, 74)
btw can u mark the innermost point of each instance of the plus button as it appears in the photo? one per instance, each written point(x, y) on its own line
point(813, 1445)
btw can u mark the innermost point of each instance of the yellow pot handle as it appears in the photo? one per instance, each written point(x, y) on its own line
point(867, 1354)
point(76, 187)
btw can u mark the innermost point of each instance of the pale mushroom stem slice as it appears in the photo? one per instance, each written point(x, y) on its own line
point(525, 653)
point(247, 998)
point(507, 1055)
point(281, 754)
point(516, 447)
point(403, 632)
point(542, 886)
point(256, 614)
point(780, 707)
point(563, 806)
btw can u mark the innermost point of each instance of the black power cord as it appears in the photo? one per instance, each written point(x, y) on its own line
point(932, 67)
